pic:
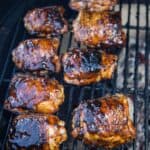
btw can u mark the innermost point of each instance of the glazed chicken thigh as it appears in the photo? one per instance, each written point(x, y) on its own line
point(104, 122)
point(99, 29)
point(84, 66)
point(37, 55)
point(34, 94)
point(46, 22)
point(93, 5)
point(31, 132)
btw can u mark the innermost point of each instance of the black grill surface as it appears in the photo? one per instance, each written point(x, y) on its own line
point(132, 76)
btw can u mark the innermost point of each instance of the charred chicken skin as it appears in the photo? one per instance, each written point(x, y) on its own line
point(93, 5)
point(37, 55)
point(34, 94)
point(99, 29)
point(46, 22)
point(44, 132)
point(83, 66)
point(104, 122)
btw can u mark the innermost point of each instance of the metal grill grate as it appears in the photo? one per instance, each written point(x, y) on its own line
point(137, 86)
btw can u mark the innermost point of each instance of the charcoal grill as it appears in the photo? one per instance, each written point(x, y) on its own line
point(132, 76)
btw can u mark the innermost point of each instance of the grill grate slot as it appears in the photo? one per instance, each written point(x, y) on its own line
point(74, 95)
point(127, 47)
point(146, 92)
point(136, 70)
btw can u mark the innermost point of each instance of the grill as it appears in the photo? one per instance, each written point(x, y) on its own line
point(132, 76)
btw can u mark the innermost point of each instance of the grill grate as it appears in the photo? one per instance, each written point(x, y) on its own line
point(74, 94)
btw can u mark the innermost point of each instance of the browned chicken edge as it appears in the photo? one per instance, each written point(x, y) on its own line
point(84, 66)
point(32, 131)
point(104, 122)
point(28, 93)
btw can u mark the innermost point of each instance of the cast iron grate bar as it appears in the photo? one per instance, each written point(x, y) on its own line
point(127, 48)
point(12, 45)
point(8, 57)
point(134, 26)
point(10, 120)
point(9, 52)
point(13, 72)
point(136, 69)
point(74, 145)
point(147, 63)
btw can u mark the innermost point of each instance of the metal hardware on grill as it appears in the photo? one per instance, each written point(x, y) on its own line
point(132, 76)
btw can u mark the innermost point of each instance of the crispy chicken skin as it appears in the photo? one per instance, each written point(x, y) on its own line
point(99, 29)
point(93, 5)
point(84, 66)
point(44, 132)
point(104, 122)
point(37, 55)
point(46, 22)
point(34, 94)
